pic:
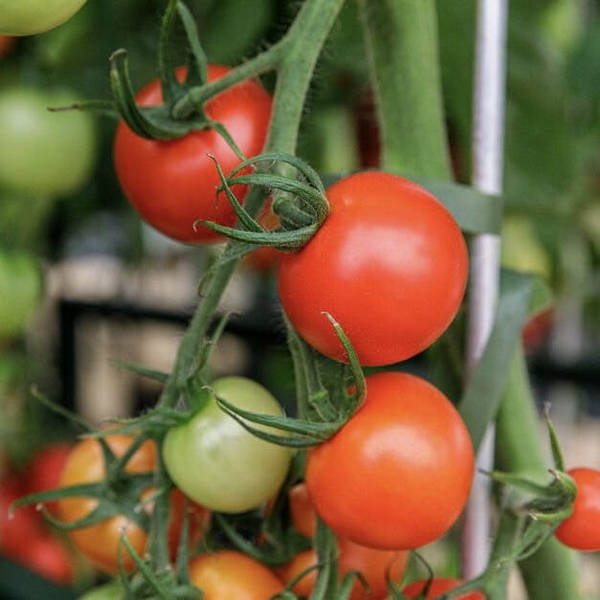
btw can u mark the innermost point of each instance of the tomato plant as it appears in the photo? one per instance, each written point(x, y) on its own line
point(216, 462)
point(389, 264)
point(438, 587)
point(172, 183)
point(398, 474)
point(44, 153)
point(20, 291)
point(265, 259)
point(375, 565)
point(230, 575)
point(111, 591)
point(582, 529)
point(27, 17)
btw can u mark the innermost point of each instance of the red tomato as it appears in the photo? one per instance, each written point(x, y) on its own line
point(375, 566)
point(302, 510)
point(398, 474)
point(439, 587)
point(389, 264)
point(19, 528)
point(230, 575)
point(48, 556)
point(45, 468)
point(172, 183)
point(582, 529)
point(537, 329)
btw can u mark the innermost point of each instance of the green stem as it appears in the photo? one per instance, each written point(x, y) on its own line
point(401, 38)
point(551, 573)
point(159, 525)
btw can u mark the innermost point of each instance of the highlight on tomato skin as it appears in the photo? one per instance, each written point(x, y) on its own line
point(398, 474)
point(171, 184)
point(389, 263)
point(438, 587)
point(581, 531)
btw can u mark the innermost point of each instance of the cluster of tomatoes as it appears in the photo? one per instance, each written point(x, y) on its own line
point(24, 537)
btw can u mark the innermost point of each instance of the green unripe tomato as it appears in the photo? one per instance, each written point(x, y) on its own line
point(26, 17)
point(219, 464)
point(20, 292)
point(111, 591)
point(44, 153)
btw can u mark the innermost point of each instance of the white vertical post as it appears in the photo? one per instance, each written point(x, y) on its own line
point(488, 146)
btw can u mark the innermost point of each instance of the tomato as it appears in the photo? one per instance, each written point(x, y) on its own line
point(100, 542)
point(439, 587)
point(26, 17)
point(47, 556)
point(5, 44)
point(389, 264)
point(230, 575)
point(537, 329)
point(45, 468)
point(44, 153)
point(265, 259)
point(20, 527)
point(375, 566)
point(219, 464)
point(398, 474)
point(302, 510)
point(172, 183)
point(111, 591)
point(582, 529)
point(20, 291)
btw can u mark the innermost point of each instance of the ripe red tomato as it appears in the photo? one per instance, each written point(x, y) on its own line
point(582, 529)
point(47, 555)
point(45, 468)
point(230, 575)
point(265, 259)
point(389, 264)
point(439, 587)
point(172, 183)
point(375, 566)
point(398, 474)
point(20, 527)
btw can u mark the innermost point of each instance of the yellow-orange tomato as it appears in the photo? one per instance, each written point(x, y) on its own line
point(375, 566)
point(231, 575)
point(100, 542)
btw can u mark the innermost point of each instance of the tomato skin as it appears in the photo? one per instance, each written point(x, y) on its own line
point(304, 517)
point(100, 542)
point(172, 183)
point(581, 530)
point(219, 464)
point(389, 264)
point(43, 153)
point(231, 575)
point(45, 468)
point(47, 556)
point(439, 587)
point(373, 564)
point(27, 17)
point(398, 474)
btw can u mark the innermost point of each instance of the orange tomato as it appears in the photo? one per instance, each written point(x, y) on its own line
point(100, 542)
point(373, 564)
point(231, 575)
point(302, 510)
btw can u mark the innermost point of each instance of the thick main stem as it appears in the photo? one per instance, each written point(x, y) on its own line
point(402, 45)
point(551, 573)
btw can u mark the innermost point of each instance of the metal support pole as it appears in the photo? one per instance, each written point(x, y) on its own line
point(488, 146)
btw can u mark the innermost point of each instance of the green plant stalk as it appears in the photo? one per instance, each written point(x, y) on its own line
point(551, 573)
point(401, 38)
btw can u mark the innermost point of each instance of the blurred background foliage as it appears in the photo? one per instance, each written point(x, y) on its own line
point(552, 188)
